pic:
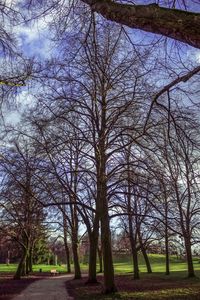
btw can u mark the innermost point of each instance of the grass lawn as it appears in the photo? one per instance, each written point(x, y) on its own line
point(45, 268)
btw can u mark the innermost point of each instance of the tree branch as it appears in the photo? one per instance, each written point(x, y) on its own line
point(174, 23)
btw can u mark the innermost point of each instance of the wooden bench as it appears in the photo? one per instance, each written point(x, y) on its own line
point(54, 272)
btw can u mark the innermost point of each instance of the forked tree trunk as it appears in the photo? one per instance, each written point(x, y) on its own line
point(21, 269)
point(146, 259)
point(29, 261)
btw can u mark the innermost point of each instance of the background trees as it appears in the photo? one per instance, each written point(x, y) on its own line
point(22, 215)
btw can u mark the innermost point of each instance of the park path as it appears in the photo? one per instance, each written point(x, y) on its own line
point(46, 289)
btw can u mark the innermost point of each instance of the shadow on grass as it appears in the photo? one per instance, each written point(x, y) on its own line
point(150, 287)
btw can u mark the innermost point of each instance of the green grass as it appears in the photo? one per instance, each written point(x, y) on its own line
point(157, 264)
point(122, 265)
point(45, 268)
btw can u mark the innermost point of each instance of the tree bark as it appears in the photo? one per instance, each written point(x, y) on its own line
point(146, 258)
point(77, 269)
point(100, 260)
point(66, 244)
point(177, 24)
point(109, 283)
point(21, 269)
point(102, 200)
point(132, 234)
point(189, 258)
point(167, 272)
point(102, 208)
point(136, 274)
point(93, 236)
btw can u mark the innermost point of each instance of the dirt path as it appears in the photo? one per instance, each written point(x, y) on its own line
point(46, 289)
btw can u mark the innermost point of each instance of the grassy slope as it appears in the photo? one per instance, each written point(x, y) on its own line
point(157, 263)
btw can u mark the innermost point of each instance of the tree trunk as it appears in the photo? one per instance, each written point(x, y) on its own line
point(74, 233)
point(100, 260)
point(135, 261)
point(77, 269)
point(132, 234)
point(93, 236)
point(167, 272)
point(27, 264)
point(30, 261)
point(107, 253)
point(146, 258)
point(67, 258)
point(66, 244)
point(102, 208)
point(102, 201)
point(189, 258)
point(21, 269)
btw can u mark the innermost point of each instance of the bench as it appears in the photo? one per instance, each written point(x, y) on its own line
point(54, 272)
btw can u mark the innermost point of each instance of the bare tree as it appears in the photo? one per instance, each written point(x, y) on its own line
point(21, 214)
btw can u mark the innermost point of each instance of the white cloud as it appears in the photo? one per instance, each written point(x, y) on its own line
point(25, 99)
point(12, 118)
point(33, 39)
point(198, 56)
